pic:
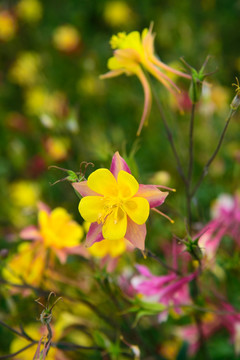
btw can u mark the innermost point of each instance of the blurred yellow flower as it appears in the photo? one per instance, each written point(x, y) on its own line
point(66, 38)
point(39, 101)
point(90, 85)
point(170, 349)
point(24, 193)
point(117, 13)
point(57, 147)
point(36, 100)
point(26, 265)
point(29, 10)
point(8, 26)
point(58, 230)
point(25, 70)
point(108, 247)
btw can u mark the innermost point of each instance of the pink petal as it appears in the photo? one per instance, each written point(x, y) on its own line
point(30, 233)
point(62, 255)
point(147, 100)
point(136, 234)
point(78, 250)
point(118, 164)
point(143, 270)
point(83, 189)
point(94, 234)
point(42, 206)
point(154, 196)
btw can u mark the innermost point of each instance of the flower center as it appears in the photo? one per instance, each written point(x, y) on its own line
point(111, 206)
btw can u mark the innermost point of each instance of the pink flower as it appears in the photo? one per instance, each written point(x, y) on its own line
point(226, 221)
point(116, 205)
point(169, 290)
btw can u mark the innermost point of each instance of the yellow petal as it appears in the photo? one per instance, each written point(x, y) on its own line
point(103, 182)
point(117, 247)
point(91, 208)
point(115, 225)
point(43, 219)
point(137, 209)
point(128, 185)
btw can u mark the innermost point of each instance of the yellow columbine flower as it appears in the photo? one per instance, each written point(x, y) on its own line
point(134, 52)
point(116, 205)
point(56, 231)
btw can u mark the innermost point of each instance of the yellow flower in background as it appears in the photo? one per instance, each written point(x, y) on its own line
point(66, 38)
point(27, 265)
point(8, 26)
point(25, 70)
point(134, 52)
point(24, 193)
point(108, 247)
point(57, 147)
point(29, 10)
point(39, 101)
point(170, 349)
point(117, 13)
point(36, 100)
point(58, 230)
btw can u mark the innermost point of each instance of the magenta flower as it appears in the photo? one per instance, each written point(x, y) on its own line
point(169, 290)
point(226, 221)
point(116, 205)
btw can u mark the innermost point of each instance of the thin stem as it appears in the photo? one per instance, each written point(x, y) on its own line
point(18, 352)
point(170, 137)
point(155, 257)
point(191, 129)
point(205, 169)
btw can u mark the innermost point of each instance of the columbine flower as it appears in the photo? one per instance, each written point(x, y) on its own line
point(116, 205)
point(57, 231)
point(226, 221)
point(165, 289)
point(135, 51)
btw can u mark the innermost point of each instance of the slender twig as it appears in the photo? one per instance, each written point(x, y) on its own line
point(166, 266)
point(18, 352)
point(170, 137)
point(205, 169)
point(191, 129)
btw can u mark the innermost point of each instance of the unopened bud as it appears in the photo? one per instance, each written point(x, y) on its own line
point(236, 102)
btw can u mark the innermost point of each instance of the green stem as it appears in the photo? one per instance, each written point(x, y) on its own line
point(205, 169)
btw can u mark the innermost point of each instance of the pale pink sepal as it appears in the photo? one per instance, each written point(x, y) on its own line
point(63, 253)
point(136, 234)
point(118, 164)
point(154, 196)
point(83, 189)
point(30, 233)
point(44, 207)
point(94, 234)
